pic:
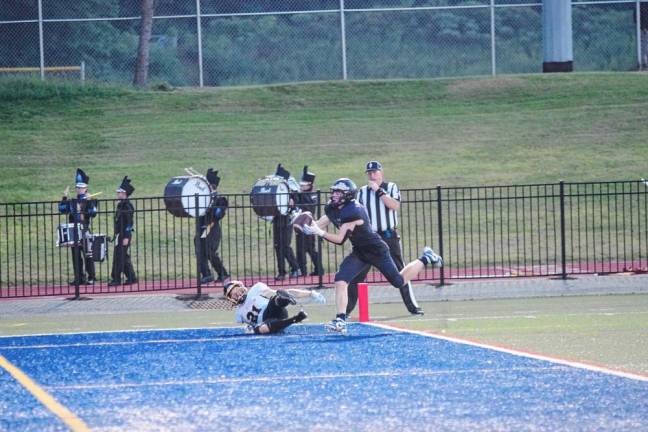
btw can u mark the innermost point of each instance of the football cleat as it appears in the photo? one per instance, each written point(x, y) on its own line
point(431, 257)
point(338, 325)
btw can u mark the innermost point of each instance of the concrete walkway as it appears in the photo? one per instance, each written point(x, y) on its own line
point(472, 290)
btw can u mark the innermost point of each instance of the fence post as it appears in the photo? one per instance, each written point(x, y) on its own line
point(199, 37)
point(320, 276)
point(638, 32)
point(343, 40)
point(440, 225)
point(563, 246)
point(197, 244)
point(40, 41)
point(492, 35)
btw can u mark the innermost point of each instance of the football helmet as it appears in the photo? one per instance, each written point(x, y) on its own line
point(348, 189)
point(235, 291)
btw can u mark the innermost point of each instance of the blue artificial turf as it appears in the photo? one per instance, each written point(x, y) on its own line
point(372, 379)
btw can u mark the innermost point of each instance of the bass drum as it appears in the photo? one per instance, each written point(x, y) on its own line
point(270, 196)
point(179, 196)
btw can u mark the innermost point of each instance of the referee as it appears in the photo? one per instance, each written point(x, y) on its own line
point(382, 201)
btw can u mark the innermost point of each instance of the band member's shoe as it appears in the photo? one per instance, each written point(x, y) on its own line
point(223, 277)
point(431, 257)
point(90, 281)
point(114, 283)
point(338, 325)
point(301, 316)
point(131, 281)
point(295, 273)
point(417, 311)
point(81, 282)
point(280, 276)
point(207, 279)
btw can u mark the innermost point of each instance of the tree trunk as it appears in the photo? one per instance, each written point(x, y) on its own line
point(142, 62)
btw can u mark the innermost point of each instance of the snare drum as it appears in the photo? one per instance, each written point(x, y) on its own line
point(66, 237)
point(270, 196)
point(95, 247)
point(179, 196)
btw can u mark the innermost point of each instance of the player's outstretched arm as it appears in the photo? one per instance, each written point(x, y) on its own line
point(300, 293)
point(337, 238)
point(323, 222)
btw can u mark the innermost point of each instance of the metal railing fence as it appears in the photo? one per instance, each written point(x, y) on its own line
point(557, 229)
point(220, 42)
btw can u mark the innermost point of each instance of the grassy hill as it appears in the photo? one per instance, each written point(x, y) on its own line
point(504, 130)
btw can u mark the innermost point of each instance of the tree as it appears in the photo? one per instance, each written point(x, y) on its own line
point(143, 50)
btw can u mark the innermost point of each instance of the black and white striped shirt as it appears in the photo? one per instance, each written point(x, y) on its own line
point(382, 218)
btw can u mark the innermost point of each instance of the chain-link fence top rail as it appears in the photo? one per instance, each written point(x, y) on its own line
point(482, 232)
point(269, 41)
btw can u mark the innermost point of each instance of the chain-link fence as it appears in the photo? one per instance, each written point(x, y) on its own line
point(227, 42)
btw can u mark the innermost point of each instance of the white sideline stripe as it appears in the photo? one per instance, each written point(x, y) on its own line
point(153, 341)
point(26, 335)
point(557, 360)
point(505, 317)
point(261, 379)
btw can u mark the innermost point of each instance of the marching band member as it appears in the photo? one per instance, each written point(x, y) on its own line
point(123, 236)
point(307, 200)
point(210, 234)
point(282, 237)
point(80, 210)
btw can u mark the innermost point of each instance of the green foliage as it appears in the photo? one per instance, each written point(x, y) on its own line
point(33, 90)
point(306, 47)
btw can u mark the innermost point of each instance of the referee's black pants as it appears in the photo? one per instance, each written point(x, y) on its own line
point(393, 241)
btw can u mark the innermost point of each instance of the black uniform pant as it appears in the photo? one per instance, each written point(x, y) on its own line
point(393, 241)
point(207, 252)
point(79, 256)
point(122, 263)
point(213, 242)
point(307, 245)
point(282, 236)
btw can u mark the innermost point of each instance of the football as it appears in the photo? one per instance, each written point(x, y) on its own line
point(302, 219)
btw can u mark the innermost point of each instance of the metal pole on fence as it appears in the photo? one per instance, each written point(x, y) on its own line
point(199, 37)
point(638, 32)
point(343, 41)
point(563, 245)
point(197, 245)
point(440, 226)
point(40, 40)
point(492, 35)
point(320, 276)
point(83, 72)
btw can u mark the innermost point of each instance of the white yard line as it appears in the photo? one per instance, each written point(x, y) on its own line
point(556, 360)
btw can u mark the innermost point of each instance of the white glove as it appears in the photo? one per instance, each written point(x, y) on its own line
point(313, 229)
point(317, 297)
